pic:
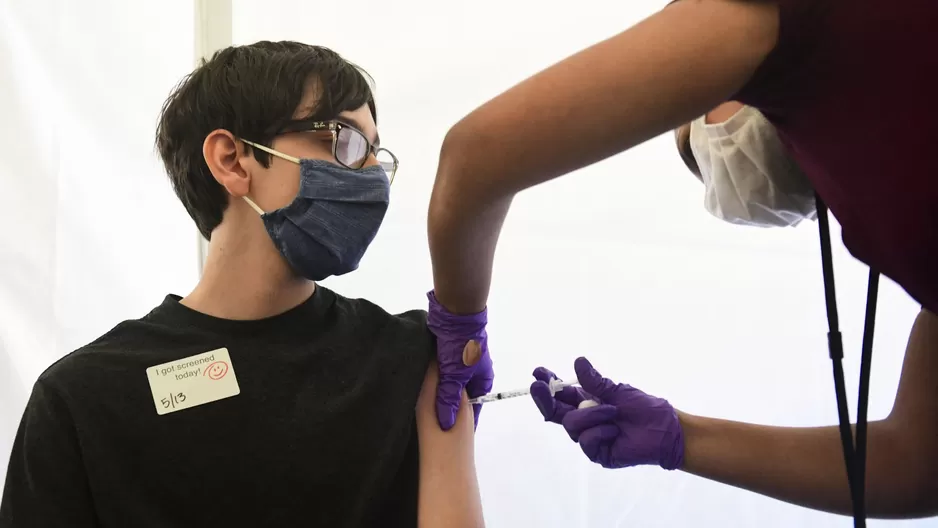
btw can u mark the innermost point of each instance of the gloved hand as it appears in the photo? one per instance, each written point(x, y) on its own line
point(463, 354)
point(555, 407)
point(627, 428)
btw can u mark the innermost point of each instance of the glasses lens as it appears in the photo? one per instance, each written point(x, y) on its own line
point(388, 162)
point(351, 148)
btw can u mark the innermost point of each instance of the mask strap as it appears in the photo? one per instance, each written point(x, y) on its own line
point(273, 153)
point(855, 458)
point(254, 205)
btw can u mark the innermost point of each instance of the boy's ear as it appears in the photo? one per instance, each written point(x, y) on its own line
point(224, 154)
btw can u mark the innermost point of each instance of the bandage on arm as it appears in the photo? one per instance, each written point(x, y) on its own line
point(448, 490)
point(668, 69)
point(804, 466)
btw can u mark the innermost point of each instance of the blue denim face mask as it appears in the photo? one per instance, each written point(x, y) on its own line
point(336, 214)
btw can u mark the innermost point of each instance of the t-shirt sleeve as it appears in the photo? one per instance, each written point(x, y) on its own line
point(401, 500)
point(46, 484)
point(418, 347)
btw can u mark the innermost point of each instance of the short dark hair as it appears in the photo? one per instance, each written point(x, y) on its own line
point(682, 138)
point(253, 92)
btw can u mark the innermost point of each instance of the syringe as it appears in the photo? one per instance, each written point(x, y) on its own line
point(555, 386)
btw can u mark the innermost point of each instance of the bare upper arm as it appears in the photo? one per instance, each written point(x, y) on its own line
point(914, 416)
point(448, 492)
point(673, 66)
point(917, 396)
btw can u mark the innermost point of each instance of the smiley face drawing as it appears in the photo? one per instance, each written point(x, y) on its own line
point(216, 370)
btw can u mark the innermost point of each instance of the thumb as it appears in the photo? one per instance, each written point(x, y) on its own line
point(448, 396)
point(592, 381)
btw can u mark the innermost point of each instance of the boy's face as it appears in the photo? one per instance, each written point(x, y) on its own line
point(276, 186)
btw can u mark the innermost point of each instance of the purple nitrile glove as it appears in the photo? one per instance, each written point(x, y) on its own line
point(628, 428)
point(555, 407)
point(463, 355)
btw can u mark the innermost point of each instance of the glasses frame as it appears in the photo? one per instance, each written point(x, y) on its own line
point(334, 126)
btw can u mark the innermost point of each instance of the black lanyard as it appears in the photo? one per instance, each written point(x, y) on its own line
point(854, 456)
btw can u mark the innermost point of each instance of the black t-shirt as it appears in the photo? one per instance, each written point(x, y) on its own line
point(321, 433)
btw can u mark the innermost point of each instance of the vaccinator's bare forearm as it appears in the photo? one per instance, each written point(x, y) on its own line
point(805, 466)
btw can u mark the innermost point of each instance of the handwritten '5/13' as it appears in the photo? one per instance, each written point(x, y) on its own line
point(173, 400)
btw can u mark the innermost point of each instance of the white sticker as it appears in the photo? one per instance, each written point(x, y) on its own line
point(193, 381)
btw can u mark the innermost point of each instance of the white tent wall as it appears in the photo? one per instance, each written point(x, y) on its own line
point(619, 262)
point(93, 233)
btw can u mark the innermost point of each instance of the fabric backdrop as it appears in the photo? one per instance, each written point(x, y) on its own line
point(620, 261)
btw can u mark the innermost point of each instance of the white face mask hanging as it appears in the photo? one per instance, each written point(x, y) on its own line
point(750, 178)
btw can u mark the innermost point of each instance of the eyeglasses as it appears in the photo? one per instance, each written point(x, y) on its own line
point(350, 147)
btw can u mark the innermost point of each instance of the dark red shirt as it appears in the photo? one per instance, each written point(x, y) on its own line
point(852, 87)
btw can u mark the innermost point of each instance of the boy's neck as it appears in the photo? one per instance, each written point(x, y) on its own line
point(244, 281)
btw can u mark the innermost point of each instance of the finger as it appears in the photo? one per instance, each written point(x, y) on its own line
point(592, 381)
point(544, 374)
point(596, 443)
point(579, 420)
point(480, 385)
point(448, 396)
point(542, 397)
point(551, 409)
point(572, 396)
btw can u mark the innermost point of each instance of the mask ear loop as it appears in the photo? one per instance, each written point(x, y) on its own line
point(254, 205)
point(272, 152)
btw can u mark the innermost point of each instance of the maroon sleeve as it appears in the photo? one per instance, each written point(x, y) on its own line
point(787, 70)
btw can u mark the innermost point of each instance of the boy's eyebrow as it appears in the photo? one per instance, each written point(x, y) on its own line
point(352, 122)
